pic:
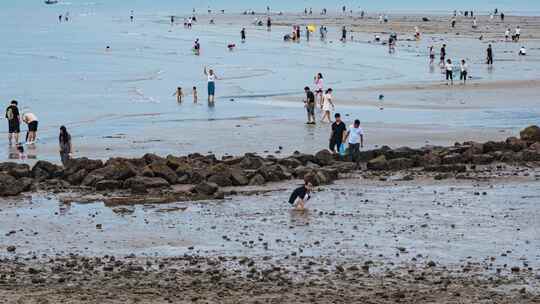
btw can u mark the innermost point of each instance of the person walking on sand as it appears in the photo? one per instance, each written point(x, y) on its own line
point(489, 55)
point(328, 106)
point(507, 35)
point(301, 195)
point(431, 55)
point(268, 23)
point(319, 87)
point(179, 95)
point(355, 137)
point(66, 149)
point(243, 34)
point(309, 104)
point(343, 34)
point(464, 68)
point(32, 122)
point(443, 55)
point(522, 51)
point(449, 67)
point(307, 33)
point(453, 22)
point(195, 95)
point(14, 122)
point(337, 134)
point(211, 84)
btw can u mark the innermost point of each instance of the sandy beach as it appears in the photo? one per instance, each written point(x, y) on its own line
point(169, 202)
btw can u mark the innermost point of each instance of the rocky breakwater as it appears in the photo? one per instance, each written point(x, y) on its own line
point(197, 176)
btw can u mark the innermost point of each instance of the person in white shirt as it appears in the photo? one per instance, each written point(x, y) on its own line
point(355, 137)
point(211, 84)
point(328, 106)
point(507, 34)
point(449, 67)
point(518, 33)
point(464, 71)
point(522, 51)
point(31, 120)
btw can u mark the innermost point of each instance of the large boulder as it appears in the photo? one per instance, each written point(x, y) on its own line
point(161, 169)
point(274, 173)
point(378, 163)
point(257, 180)
point(10, 186)
point(290, 162)
point(77, 177)
point(251, 161)
point(304, 158)
point(515, 144)
point(533, 153)
point(139, 183)
point(430, 159)
point(238, 178)
point(206, 188)
point(43, 170)
point(120, 170)
point(324, 157)
point(151, 158)
point(76, 164)
point(530, 134)
point(16, 170)
point(175, 162)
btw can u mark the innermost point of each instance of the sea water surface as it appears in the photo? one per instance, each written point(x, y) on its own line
point(62, 72)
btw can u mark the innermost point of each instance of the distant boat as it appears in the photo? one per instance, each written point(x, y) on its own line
point(51, 1)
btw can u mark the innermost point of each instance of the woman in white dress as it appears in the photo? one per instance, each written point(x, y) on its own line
point(328, 106)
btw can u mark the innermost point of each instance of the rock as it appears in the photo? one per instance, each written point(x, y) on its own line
point(431, 264)
point(11, 248)
point(492, 146)
point(530, 134)
point(10, 186)
point(304, 158)
point(108, 184)
point(430, 159)
point(16, 170)
point(206, 188)
point(531, 154)
point(425, 19)
point(43, 170)
point(290, 162)
point(482, 159)
point(515, 144)
point(238, 178)
point(400, 163)
point(175, 162)
point(151, 158)
point(76, 164)
point(138, 183)
point(452, 159)
point(251, 161)
point(220, 180)
point(184, 170)
point(324, 157)
point(77, 177)
point(257, 180)
point(301, 171)
point(378, 163)
point(160, 169)
point(118, 170)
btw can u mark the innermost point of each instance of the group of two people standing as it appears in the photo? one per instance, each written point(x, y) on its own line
point(325, 101)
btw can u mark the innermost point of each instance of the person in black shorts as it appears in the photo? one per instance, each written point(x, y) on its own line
point(443, 54)
point(14, 122)
point(301, 195)
point(489, 53)
point(309, 103)
point(336, 136)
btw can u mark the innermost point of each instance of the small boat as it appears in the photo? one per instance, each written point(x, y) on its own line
point(51, 1)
